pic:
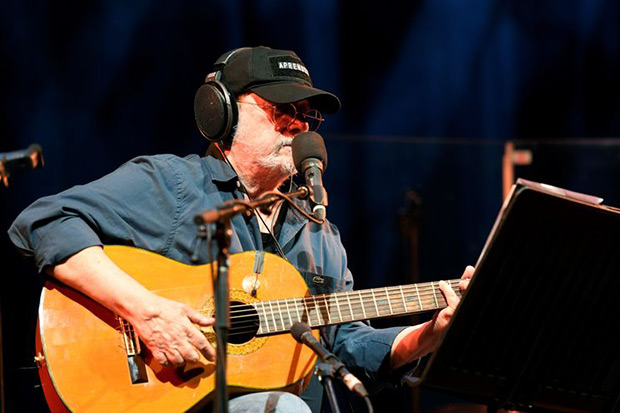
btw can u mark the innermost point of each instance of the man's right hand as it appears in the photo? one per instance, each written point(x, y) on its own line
point(166, 327)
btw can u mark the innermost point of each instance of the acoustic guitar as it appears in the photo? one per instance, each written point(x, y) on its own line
point(91, 360)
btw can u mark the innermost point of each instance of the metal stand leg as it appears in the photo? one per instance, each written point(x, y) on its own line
point(326, 376)
point(223, 235)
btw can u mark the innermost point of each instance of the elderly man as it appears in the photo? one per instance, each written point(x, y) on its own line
point(150, 201)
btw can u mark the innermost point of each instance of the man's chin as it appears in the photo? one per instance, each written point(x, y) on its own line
point(282, 163)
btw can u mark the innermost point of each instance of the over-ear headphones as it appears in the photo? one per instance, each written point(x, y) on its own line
point(215, 108)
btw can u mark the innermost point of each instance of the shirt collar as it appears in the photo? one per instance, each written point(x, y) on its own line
point(220, 170)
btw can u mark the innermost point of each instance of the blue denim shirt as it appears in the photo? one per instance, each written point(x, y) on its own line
point(150, 202)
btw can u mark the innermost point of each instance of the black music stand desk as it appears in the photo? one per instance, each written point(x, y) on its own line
point(537, 328)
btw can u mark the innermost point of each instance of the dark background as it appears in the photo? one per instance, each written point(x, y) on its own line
point(431, 91)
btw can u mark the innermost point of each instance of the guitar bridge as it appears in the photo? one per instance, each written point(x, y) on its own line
point(131, 343)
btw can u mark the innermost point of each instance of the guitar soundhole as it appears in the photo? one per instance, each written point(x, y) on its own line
point(244, 322)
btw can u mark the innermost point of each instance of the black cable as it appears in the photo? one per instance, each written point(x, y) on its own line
point(210, 260)
point(368, 404)
point(294, 205)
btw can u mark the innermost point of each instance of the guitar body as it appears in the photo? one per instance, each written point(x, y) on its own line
point(84, 363)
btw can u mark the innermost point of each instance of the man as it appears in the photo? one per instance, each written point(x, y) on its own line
point(150, 203)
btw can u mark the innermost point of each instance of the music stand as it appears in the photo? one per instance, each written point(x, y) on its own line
point(535, 330)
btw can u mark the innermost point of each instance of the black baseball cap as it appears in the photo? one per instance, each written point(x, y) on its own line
point(278, 76)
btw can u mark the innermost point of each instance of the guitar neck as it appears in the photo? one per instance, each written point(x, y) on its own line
point(278, 316)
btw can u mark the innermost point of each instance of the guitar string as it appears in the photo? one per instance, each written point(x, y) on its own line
point(379, 295)
point(381, 290)
point(358, 300)
point(357, 310)
point(278, 320)
point(323, 303)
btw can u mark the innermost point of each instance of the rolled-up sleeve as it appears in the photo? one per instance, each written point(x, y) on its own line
point(113, 209)
point(366, 351)
point(57, 240)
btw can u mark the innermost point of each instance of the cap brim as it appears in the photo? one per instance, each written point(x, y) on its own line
point(288, 92)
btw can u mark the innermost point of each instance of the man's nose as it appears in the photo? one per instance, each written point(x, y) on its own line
point(297, 126)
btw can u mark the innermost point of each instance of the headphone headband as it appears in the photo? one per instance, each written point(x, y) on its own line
point(216, 74)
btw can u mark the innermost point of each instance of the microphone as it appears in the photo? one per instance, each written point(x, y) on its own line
point(25, 159)
point(310, 158)
point(302, 333)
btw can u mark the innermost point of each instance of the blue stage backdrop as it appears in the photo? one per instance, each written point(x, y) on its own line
point(431, 90)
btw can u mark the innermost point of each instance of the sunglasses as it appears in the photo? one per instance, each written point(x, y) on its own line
point(284, 114)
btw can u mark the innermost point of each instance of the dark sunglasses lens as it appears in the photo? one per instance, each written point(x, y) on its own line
point(286, 111)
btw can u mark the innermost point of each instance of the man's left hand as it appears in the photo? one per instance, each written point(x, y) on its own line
point(417, 341)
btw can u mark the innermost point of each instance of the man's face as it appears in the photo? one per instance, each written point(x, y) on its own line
point(264, 135)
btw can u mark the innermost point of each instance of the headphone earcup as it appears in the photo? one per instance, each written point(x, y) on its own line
point(215, 111)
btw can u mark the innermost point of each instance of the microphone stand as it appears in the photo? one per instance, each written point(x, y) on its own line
point(223, 234)
point(325, 371)
point(221, 216)
point(228, 209)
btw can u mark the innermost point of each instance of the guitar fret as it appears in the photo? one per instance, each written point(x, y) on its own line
point(399, 301)
point(374, 300)
point(305, 304)
point(318, 311)
point(402, 296)
point(297, 310)
point(283, 313)
point(329, 317)
point(434, 294)
point(273, 316)
point(281, 316)
point(276, 316)
point(346, 293)
point(359, 293)
point(387, 295)
point(288, 311)
point(338, 307)
point(417, 291)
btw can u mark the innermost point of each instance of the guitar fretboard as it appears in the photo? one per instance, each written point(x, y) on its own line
point(277, 316)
